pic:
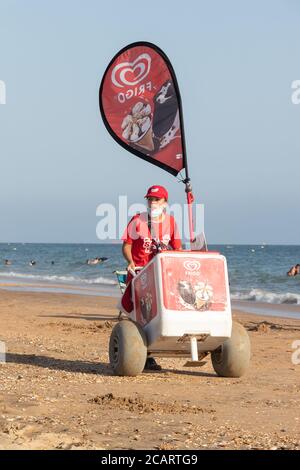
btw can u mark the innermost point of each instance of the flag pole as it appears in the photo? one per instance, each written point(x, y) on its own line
point(187, 180)
point(190, 200)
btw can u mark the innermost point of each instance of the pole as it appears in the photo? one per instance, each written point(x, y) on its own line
point(190, 200)
point(187, 180)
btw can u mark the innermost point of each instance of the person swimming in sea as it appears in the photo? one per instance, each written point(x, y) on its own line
point(32, 263)
point(95, 260)
point(294, 270)
point(7, 262)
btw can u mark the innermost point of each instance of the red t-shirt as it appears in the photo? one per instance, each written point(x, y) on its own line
point(144, 246)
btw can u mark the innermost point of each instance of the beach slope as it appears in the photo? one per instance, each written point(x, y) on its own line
point(57, 390)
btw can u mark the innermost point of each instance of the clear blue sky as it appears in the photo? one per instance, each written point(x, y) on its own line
point(235, 62)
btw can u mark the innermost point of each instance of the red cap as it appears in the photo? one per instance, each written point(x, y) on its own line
point(157, 191)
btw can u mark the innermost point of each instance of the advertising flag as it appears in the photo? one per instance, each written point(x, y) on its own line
point(141, 106)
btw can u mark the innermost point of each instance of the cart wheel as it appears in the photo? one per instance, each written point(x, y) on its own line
point(233, 357)
point(127, 348)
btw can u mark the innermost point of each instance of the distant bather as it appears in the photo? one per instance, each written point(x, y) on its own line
point(294, 270)
point(95, 260)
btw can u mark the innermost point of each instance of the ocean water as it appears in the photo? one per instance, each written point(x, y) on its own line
point(256, 272)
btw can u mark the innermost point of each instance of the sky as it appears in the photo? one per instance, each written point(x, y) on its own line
point(235, 63)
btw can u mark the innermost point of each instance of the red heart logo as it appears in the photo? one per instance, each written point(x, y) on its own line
point(192, 265)
point(131, 73)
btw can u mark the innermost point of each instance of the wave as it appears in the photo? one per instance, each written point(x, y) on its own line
point(54, 278)
point(260, 295)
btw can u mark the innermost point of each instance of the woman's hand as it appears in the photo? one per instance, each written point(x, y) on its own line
point(131, 266)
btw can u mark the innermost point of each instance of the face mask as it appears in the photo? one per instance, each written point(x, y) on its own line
point(155, 212)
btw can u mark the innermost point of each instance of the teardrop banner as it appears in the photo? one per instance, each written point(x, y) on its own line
point(141, 106)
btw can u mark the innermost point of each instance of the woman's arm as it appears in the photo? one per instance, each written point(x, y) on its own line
point(126, 250)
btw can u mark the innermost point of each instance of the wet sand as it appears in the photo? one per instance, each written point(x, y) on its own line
point(57, 390)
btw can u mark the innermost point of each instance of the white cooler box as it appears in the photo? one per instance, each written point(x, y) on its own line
point(183, 294)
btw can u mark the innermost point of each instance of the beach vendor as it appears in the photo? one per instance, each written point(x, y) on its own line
point(147, 234)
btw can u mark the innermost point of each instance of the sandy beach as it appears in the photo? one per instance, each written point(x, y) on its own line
point(57, 390)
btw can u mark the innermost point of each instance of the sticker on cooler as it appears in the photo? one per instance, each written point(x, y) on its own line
point(190, 284)
point(145, 296)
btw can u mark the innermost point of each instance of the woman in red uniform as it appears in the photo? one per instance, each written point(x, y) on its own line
point(147, 234)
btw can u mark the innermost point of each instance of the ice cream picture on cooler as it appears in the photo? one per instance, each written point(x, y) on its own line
point(146, 307)
point(196, 297)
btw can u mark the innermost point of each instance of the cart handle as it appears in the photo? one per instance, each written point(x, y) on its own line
point(134, 272)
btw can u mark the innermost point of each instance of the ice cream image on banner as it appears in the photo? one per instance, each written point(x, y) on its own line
point(137, 126)
point(166, 121)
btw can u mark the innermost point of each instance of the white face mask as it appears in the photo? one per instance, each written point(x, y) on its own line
point(154, 213)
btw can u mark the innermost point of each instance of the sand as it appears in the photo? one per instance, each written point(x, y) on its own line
point(57, 390)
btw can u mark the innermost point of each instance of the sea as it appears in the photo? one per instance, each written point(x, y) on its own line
point(257, 273)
